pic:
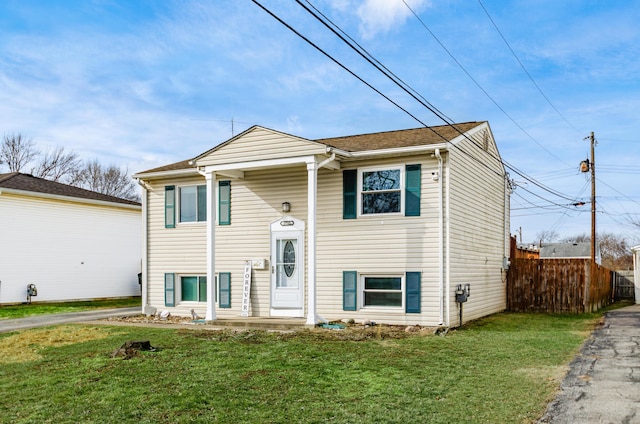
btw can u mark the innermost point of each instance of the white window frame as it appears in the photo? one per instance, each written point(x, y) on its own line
point(401, 189)
point(362, 291)
point(178, 289)
point(178, 205)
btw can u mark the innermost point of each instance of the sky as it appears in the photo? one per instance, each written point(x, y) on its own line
point(141, 84)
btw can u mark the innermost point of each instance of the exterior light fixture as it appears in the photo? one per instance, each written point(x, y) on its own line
point(286, 207)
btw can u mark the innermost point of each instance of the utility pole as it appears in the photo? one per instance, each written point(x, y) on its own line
point(593, 203)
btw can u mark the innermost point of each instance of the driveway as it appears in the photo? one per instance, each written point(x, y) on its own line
point(603, 383)
point(8, 325)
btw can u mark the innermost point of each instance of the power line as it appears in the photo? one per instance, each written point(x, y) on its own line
point(401, 85)
point(409, 90)
point(480, 86)
point(362, 52)
point(525, 69)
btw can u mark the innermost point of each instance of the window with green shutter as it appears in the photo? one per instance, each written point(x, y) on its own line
point(170, 207)
point(381, 190)
point(224, 202)
point(349, 290)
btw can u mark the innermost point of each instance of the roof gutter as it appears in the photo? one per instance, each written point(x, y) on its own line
point(174, 173)
point(69, 199)
point(392, 151)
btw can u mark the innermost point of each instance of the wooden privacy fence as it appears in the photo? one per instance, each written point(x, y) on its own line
point(557, 286)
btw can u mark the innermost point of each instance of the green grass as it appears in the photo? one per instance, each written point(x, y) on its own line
point(501, 369)
point(26, 310)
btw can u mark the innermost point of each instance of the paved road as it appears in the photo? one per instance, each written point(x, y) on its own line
point(603, 384)
point(8, 325)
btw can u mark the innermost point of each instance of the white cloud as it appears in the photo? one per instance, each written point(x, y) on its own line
point(381, 15)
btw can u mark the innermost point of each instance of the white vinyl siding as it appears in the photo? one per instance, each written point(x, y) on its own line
point(388, 244)
point(69, 250)
point(180, 250)
point(384, 244)
point(262, 144)
point(478, 232)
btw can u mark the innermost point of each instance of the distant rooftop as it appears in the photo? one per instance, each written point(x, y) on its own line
point(29, 183)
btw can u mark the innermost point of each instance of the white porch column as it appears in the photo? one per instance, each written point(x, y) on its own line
point(312, 194)
point(211, 246)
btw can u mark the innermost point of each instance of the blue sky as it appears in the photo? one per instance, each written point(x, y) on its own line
point(140, 84)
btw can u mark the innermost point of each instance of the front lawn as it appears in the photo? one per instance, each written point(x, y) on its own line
point(26, 310)
point(501, 369)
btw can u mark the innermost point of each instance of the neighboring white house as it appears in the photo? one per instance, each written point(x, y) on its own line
point(71, 243)
point(380, 227)
point(636, 271)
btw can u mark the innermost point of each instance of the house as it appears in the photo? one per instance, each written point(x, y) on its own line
point(71, 243)
point(523, 251)
point(381, 227)
point(636, 271)
point(569, 251)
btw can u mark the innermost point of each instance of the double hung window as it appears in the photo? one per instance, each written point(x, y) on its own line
point(193, 288)
point(382, 291)
point(401, 292)
point(393, 190)
point(193, 203)
point(380, 191)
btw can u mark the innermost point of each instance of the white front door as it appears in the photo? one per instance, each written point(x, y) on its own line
point(287, 267)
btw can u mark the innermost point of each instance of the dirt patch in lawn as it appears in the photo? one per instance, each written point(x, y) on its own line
point(27, 345)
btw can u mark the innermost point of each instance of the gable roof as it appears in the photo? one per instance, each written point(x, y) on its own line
point(422, 136)
point(17, 181)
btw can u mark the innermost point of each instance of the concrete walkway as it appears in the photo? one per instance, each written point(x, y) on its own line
point(8, 325)
point(603, 383)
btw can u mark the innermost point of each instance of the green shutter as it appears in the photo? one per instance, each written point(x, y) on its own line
point(170, 207)
point(224, 202)
point(413, 292)
point(349, 193)
point(349, 290)
point(202, 202)
point(169, 289)
point(412, 190)
point(225, 289)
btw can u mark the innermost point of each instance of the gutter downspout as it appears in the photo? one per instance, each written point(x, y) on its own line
point(143, 266)
point(440, 236)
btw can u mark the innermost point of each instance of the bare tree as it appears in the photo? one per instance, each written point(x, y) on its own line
point(109, 180)
point(614, 249)
point(56, 165)
point(579, 238)
point(16, 152)
point(547, 236)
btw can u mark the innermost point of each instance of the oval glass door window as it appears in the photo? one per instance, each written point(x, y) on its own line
point(289, 258)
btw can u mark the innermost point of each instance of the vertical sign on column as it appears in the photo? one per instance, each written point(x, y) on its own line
point(246, 289)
